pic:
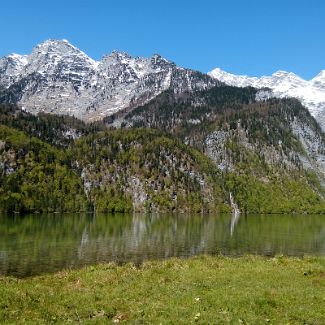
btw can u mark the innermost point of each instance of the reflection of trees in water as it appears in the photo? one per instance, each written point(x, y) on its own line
point(278, 234)
point(156, 237)
point(35, 244)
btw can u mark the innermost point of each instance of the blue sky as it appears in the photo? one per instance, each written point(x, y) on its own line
point(244, 36)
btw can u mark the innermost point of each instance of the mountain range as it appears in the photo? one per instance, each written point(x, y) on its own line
point(284, 84)
point(142, 134)
point(58, 78)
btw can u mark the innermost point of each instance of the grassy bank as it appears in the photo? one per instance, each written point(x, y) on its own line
point(202, 290)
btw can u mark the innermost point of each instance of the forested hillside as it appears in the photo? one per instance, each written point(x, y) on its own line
point(180, 152)
point(59, 130)
point(114, 171)
point(36, 177)
point(271, 149)
point(127, 170)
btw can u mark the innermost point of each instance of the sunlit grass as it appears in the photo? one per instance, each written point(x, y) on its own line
point(201, 290)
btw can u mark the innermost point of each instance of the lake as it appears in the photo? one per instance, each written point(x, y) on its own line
point(35, 244)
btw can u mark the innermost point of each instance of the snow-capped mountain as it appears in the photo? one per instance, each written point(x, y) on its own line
point(285, 84)
point(59, 78)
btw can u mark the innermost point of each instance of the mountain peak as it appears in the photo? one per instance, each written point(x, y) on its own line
point(115, 58)
point(120, 54)
point(284, 84)
point(58, 47)
point(158, 59)
point(52, 44)
point(53, 52)
point(285, 74)
point(320, 76)
point(218, 72)
point(281, 73)
point(232, 79)
point(59, 78)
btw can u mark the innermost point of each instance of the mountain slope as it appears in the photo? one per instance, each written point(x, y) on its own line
point(284, 84)
point(260, 147)
point(111, 171)
point(143, 170)
point(139, 169)
point(59, 78)
point(59, 131)
point(36, 177)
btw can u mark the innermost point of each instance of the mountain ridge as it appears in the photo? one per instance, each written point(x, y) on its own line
point(59, 78)
point(284, 84)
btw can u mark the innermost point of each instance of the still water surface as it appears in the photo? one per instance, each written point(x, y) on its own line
point(35, 244)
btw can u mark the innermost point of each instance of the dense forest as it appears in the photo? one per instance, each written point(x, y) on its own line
point(177, 153)
point(113, 171)
point(58, 130)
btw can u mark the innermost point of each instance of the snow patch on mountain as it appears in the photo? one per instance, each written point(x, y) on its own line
point(284, 84)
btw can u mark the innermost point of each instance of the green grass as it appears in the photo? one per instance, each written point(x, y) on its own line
point(201, 290)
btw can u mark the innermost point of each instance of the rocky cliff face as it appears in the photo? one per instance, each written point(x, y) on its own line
point(237, 127)
point(59, 78)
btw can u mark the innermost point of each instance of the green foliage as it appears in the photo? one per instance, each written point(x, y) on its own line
point(54, 129)
point(262, 188)
point(142, 168)
point(255, 132)
point(36, 177)
point(281, 195)
point(124, 165)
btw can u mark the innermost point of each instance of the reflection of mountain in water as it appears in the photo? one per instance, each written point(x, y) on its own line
point(36, 244)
